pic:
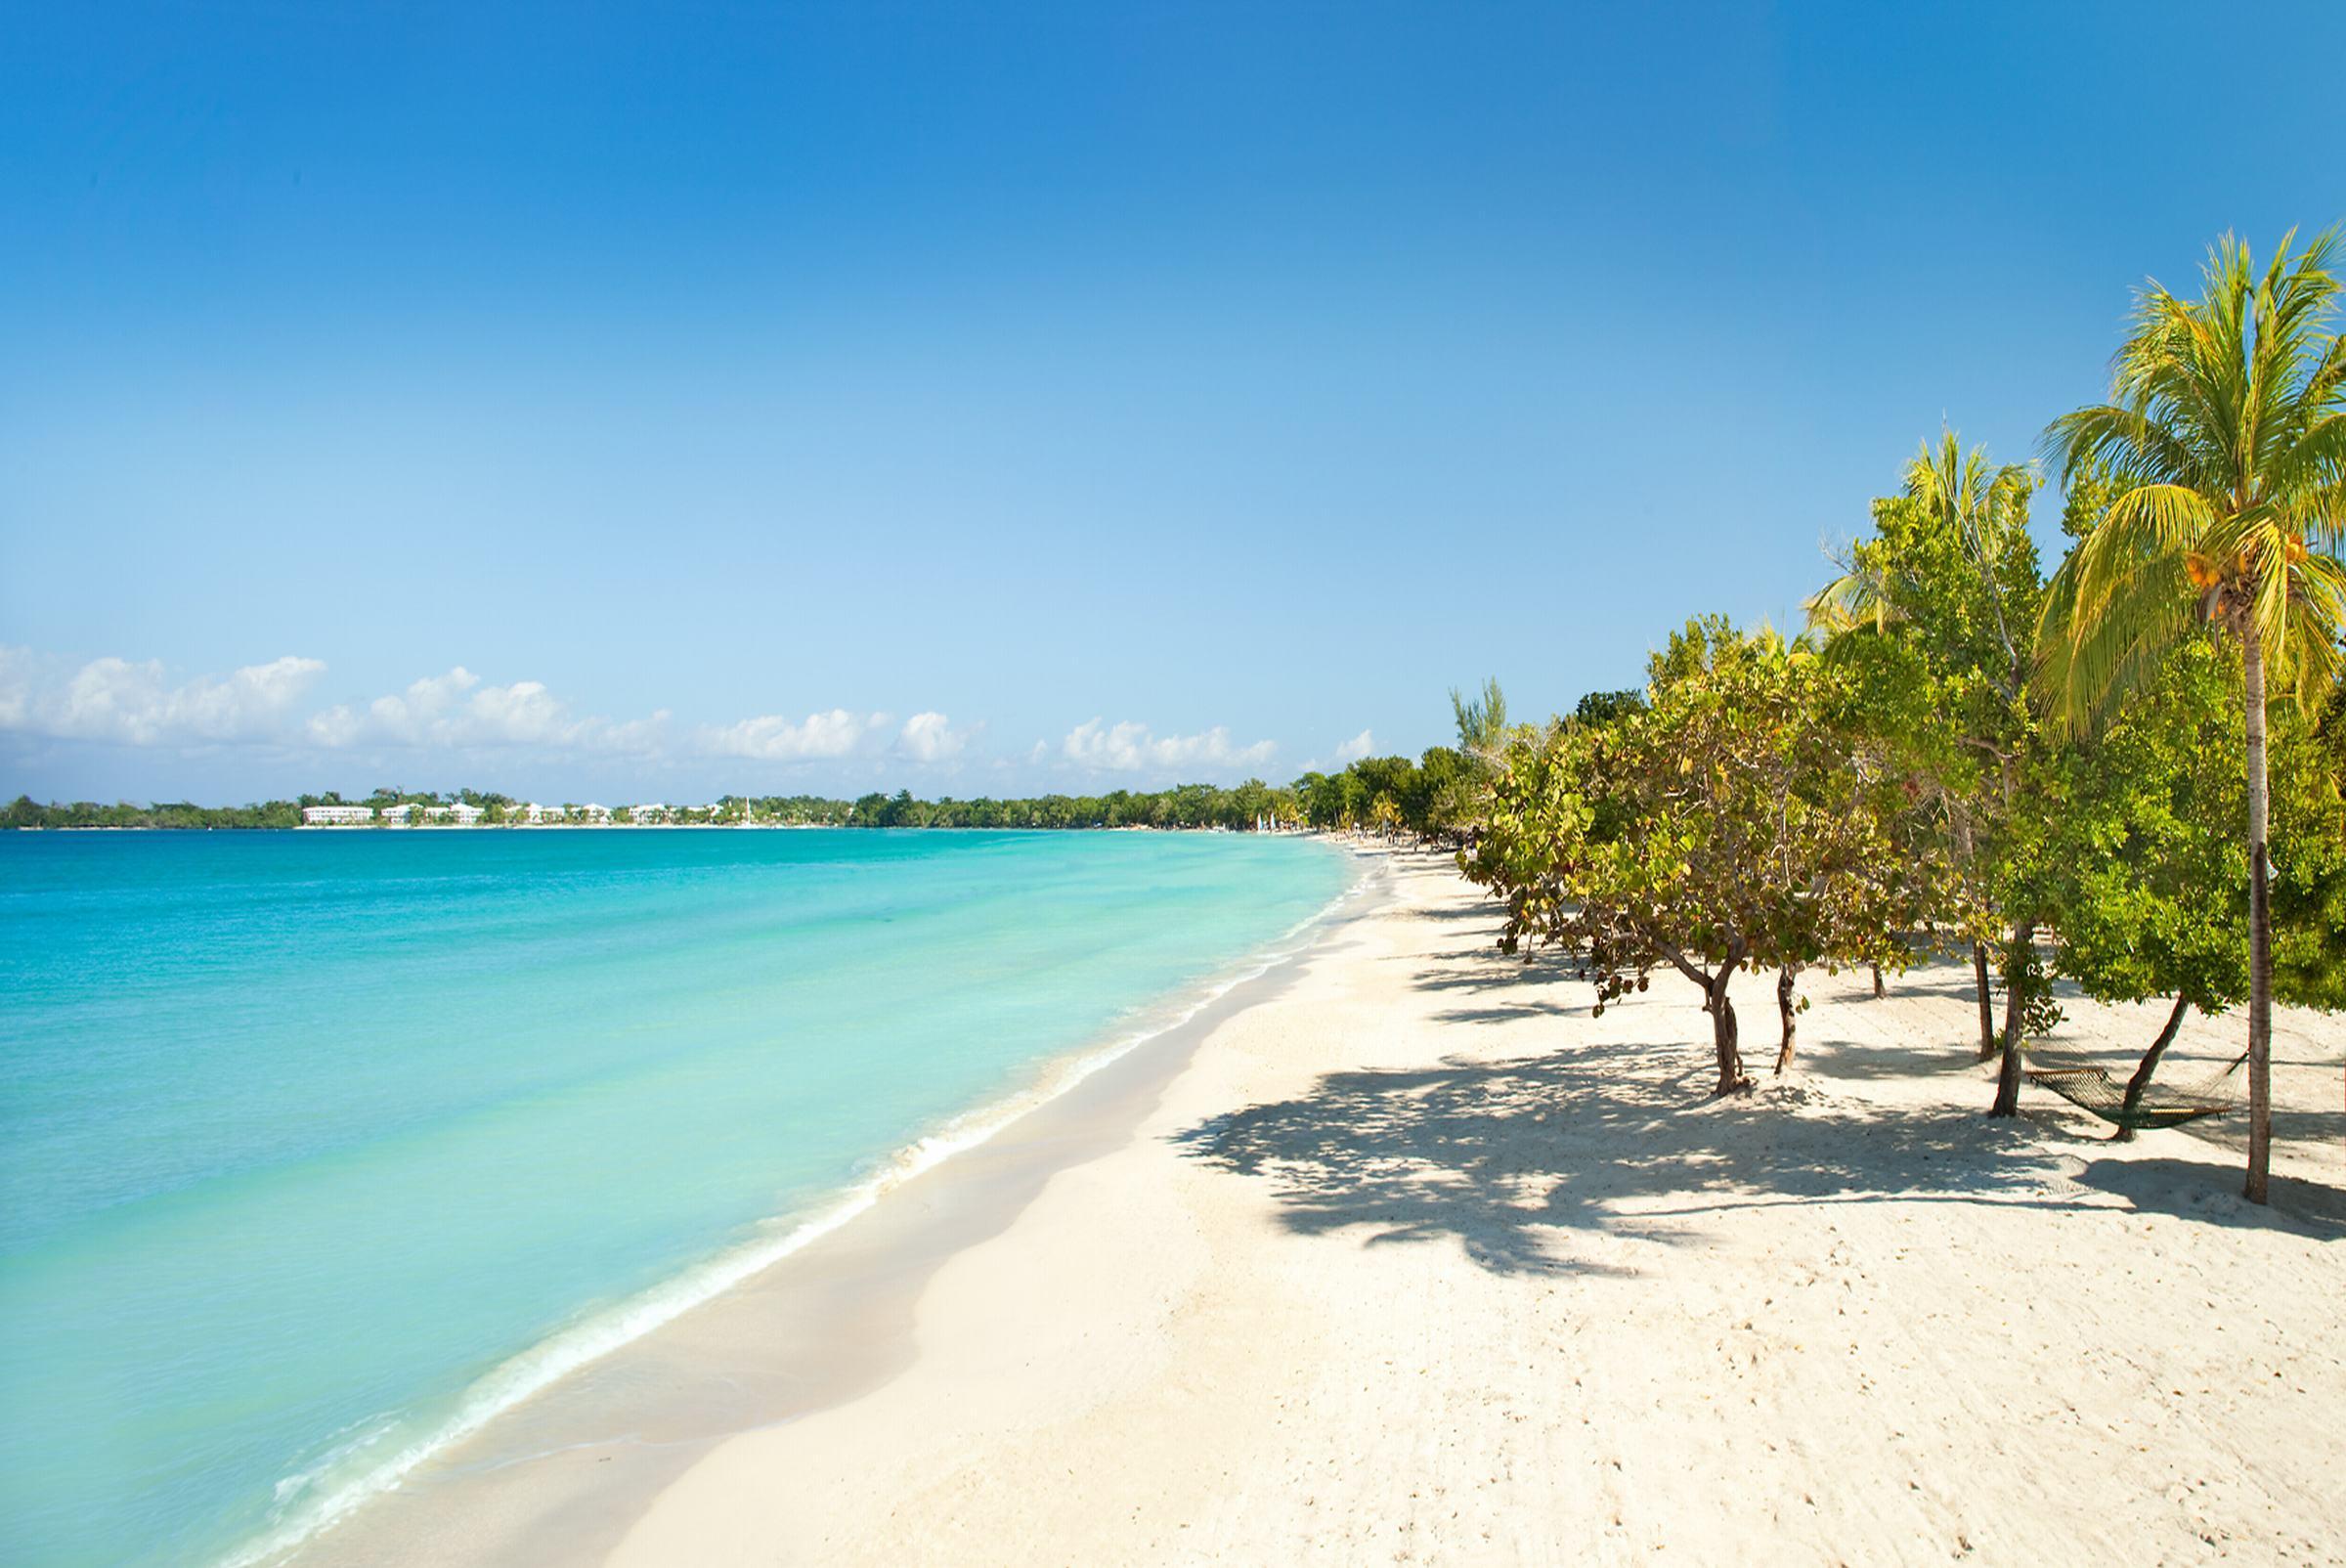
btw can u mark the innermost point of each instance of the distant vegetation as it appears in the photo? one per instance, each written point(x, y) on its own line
point(25, 813)
point(1427, 796)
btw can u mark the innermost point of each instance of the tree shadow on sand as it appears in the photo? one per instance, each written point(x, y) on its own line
point(2207, 1189)
point(1483, 969)
point(1510, 1012)
point(1510, 1159)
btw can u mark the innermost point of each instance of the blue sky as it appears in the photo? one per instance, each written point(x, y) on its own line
point(627, 401)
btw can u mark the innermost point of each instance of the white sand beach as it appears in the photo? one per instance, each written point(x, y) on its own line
point(1408, 1259)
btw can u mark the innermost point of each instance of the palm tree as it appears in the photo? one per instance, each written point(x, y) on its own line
point(1981, 503)
point(2224, 447)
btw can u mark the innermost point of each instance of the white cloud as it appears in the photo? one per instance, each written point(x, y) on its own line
point(931, 738)
point(1353, 750)
point(128, 702)
point(1128, 748)
point(133, 704)
point(773, 738)
point(456, 712)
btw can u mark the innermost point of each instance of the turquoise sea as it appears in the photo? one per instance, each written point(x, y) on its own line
point(318, 1148)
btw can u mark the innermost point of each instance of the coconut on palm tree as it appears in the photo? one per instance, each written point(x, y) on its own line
point(2223, 447)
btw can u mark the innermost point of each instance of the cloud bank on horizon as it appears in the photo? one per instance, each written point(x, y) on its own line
point(267, 713)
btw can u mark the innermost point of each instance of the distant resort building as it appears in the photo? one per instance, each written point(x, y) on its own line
point(461, 814)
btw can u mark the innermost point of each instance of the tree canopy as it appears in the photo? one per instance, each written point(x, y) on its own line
point(1728, 824)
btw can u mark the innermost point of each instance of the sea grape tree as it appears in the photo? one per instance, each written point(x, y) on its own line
point(1732, 823)
point(2146, 904)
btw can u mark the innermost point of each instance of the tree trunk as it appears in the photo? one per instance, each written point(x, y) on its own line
point(1988, 1010)
point(2016, 990)
point(1784, 1011)
point(2260, 929)
point(1879, 990)
point(2139, 1084)
point(1722, 1032)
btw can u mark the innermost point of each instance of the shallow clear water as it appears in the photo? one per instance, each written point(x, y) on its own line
point(305, 1138)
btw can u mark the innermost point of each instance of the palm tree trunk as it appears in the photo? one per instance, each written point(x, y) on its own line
point(1988, 1010)
point(2139, 1084)
point(2016, 992)
point(2260, 929)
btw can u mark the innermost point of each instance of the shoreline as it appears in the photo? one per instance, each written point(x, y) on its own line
point(1409, 1257)
point(865, 1256)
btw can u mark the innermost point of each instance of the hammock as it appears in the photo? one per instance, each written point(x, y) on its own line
point(2092, 1088)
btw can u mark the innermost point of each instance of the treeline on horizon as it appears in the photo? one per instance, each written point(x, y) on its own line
point(1428, 796)
point(2130, 772)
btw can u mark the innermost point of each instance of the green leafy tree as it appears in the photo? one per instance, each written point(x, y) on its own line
point(1440, 799)
point(2224, 449)
point(1938, 607)
point(1732, 825)
point(2148, 906)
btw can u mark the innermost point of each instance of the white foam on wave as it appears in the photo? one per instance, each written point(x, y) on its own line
point(295, 1520)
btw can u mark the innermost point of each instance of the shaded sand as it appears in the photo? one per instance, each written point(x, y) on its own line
point(1415, 1261)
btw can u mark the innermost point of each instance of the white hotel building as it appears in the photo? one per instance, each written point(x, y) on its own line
point(337, 817)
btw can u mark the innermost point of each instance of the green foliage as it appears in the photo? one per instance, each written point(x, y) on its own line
point(1481, 721)
point(1952, 564)
point(1598, 707)
point(2028, 987)
point(24, 813)
point(2309, 867)
point(2152, 898)
point(2149, 897)
point(1732, 824)
point(1934, 617)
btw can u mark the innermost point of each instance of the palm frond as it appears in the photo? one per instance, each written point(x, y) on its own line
point(2147, 530)
point(2306, 654)
point(1852, 600)
point(2320, 516)
point(2088, 664)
